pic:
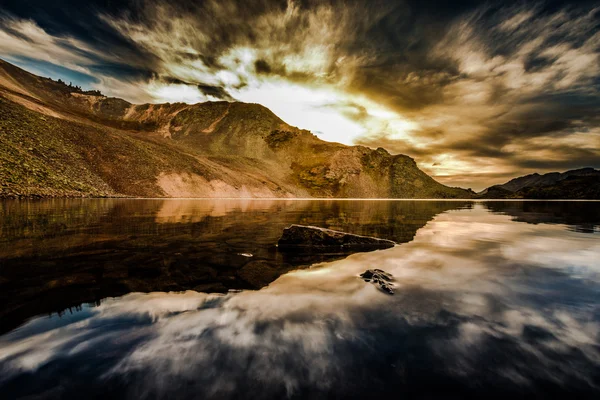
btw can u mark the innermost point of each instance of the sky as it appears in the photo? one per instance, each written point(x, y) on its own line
point(476, 92)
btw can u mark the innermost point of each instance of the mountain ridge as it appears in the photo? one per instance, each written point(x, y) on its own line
point(58, 140)
point(581, 183)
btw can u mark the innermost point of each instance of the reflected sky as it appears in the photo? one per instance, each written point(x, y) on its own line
point(484, 304)
point(61, 253)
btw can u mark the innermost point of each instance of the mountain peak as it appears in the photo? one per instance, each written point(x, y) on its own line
point(102, 146)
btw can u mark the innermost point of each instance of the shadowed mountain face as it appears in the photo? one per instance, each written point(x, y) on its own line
point(60, 253)
point(58, 140)
point(581, 183)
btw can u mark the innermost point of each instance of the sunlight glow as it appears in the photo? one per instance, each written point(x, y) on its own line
point(305, 107)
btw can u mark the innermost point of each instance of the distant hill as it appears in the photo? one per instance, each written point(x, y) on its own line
point(58, 140)
point(581, 183)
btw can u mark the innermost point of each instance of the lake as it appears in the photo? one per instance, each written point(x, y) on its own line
point(137, 298)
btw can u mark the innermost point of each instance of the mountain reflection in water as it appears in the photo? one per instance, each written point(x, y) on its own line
point(485, 305)
point(59, 254)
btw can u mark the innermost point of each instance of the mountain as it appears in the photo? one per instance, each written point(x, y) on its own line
point(59, 140)
point(581, 183)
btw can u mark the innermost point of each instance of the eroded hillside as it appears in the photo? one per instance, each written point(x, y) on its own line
point(56, 141)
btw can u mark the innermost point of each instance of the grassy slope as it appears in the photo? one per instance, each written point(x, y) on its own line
point(45, 156)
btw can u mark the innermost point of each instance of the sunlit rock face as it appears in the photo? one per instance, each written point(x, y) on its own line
point(212, 149)
point(511, 309)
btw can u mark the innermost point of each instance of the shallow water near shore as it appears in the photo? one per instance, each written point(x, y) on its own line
point(115, 298)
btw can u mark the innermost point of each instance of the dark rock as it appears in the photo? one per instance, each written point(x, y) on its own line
point(380, 278)
point(216, 287)
point(259, 273)
point(296, 236)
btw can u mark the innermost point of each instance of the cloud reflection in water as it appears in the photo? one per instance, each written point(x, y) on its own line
point(482, 304)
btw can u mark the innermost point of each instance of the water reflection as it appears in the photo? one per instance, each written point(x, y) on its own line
point(582, 216)
point(61, 253)
point(484, 305)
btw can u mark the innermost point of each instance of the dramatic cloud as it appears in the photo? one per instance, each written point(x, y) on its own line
point(476, 93)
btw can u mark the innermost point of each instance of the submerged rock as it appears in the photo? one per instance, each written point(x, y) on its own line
point(260, 273)
point(296, 236)
point(380, 278)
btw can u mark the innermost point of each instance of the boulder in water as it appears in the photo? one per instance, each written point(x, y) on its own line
point(301, 236)
point(380, 278)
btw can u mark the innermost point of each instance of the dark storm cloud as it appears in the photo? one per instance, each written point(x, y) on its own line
point(262, 67)
point(80, 20)
point(215, 91)
point(497, 87)
point(123, 71)
point(525, 94)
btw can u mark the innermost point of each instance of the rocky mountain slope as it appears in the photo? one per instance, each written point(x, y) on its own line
point(58, 140)
point(581, 183)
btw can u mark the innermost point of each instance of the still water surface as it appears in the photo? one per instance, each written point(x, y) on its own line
point(492, 299)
